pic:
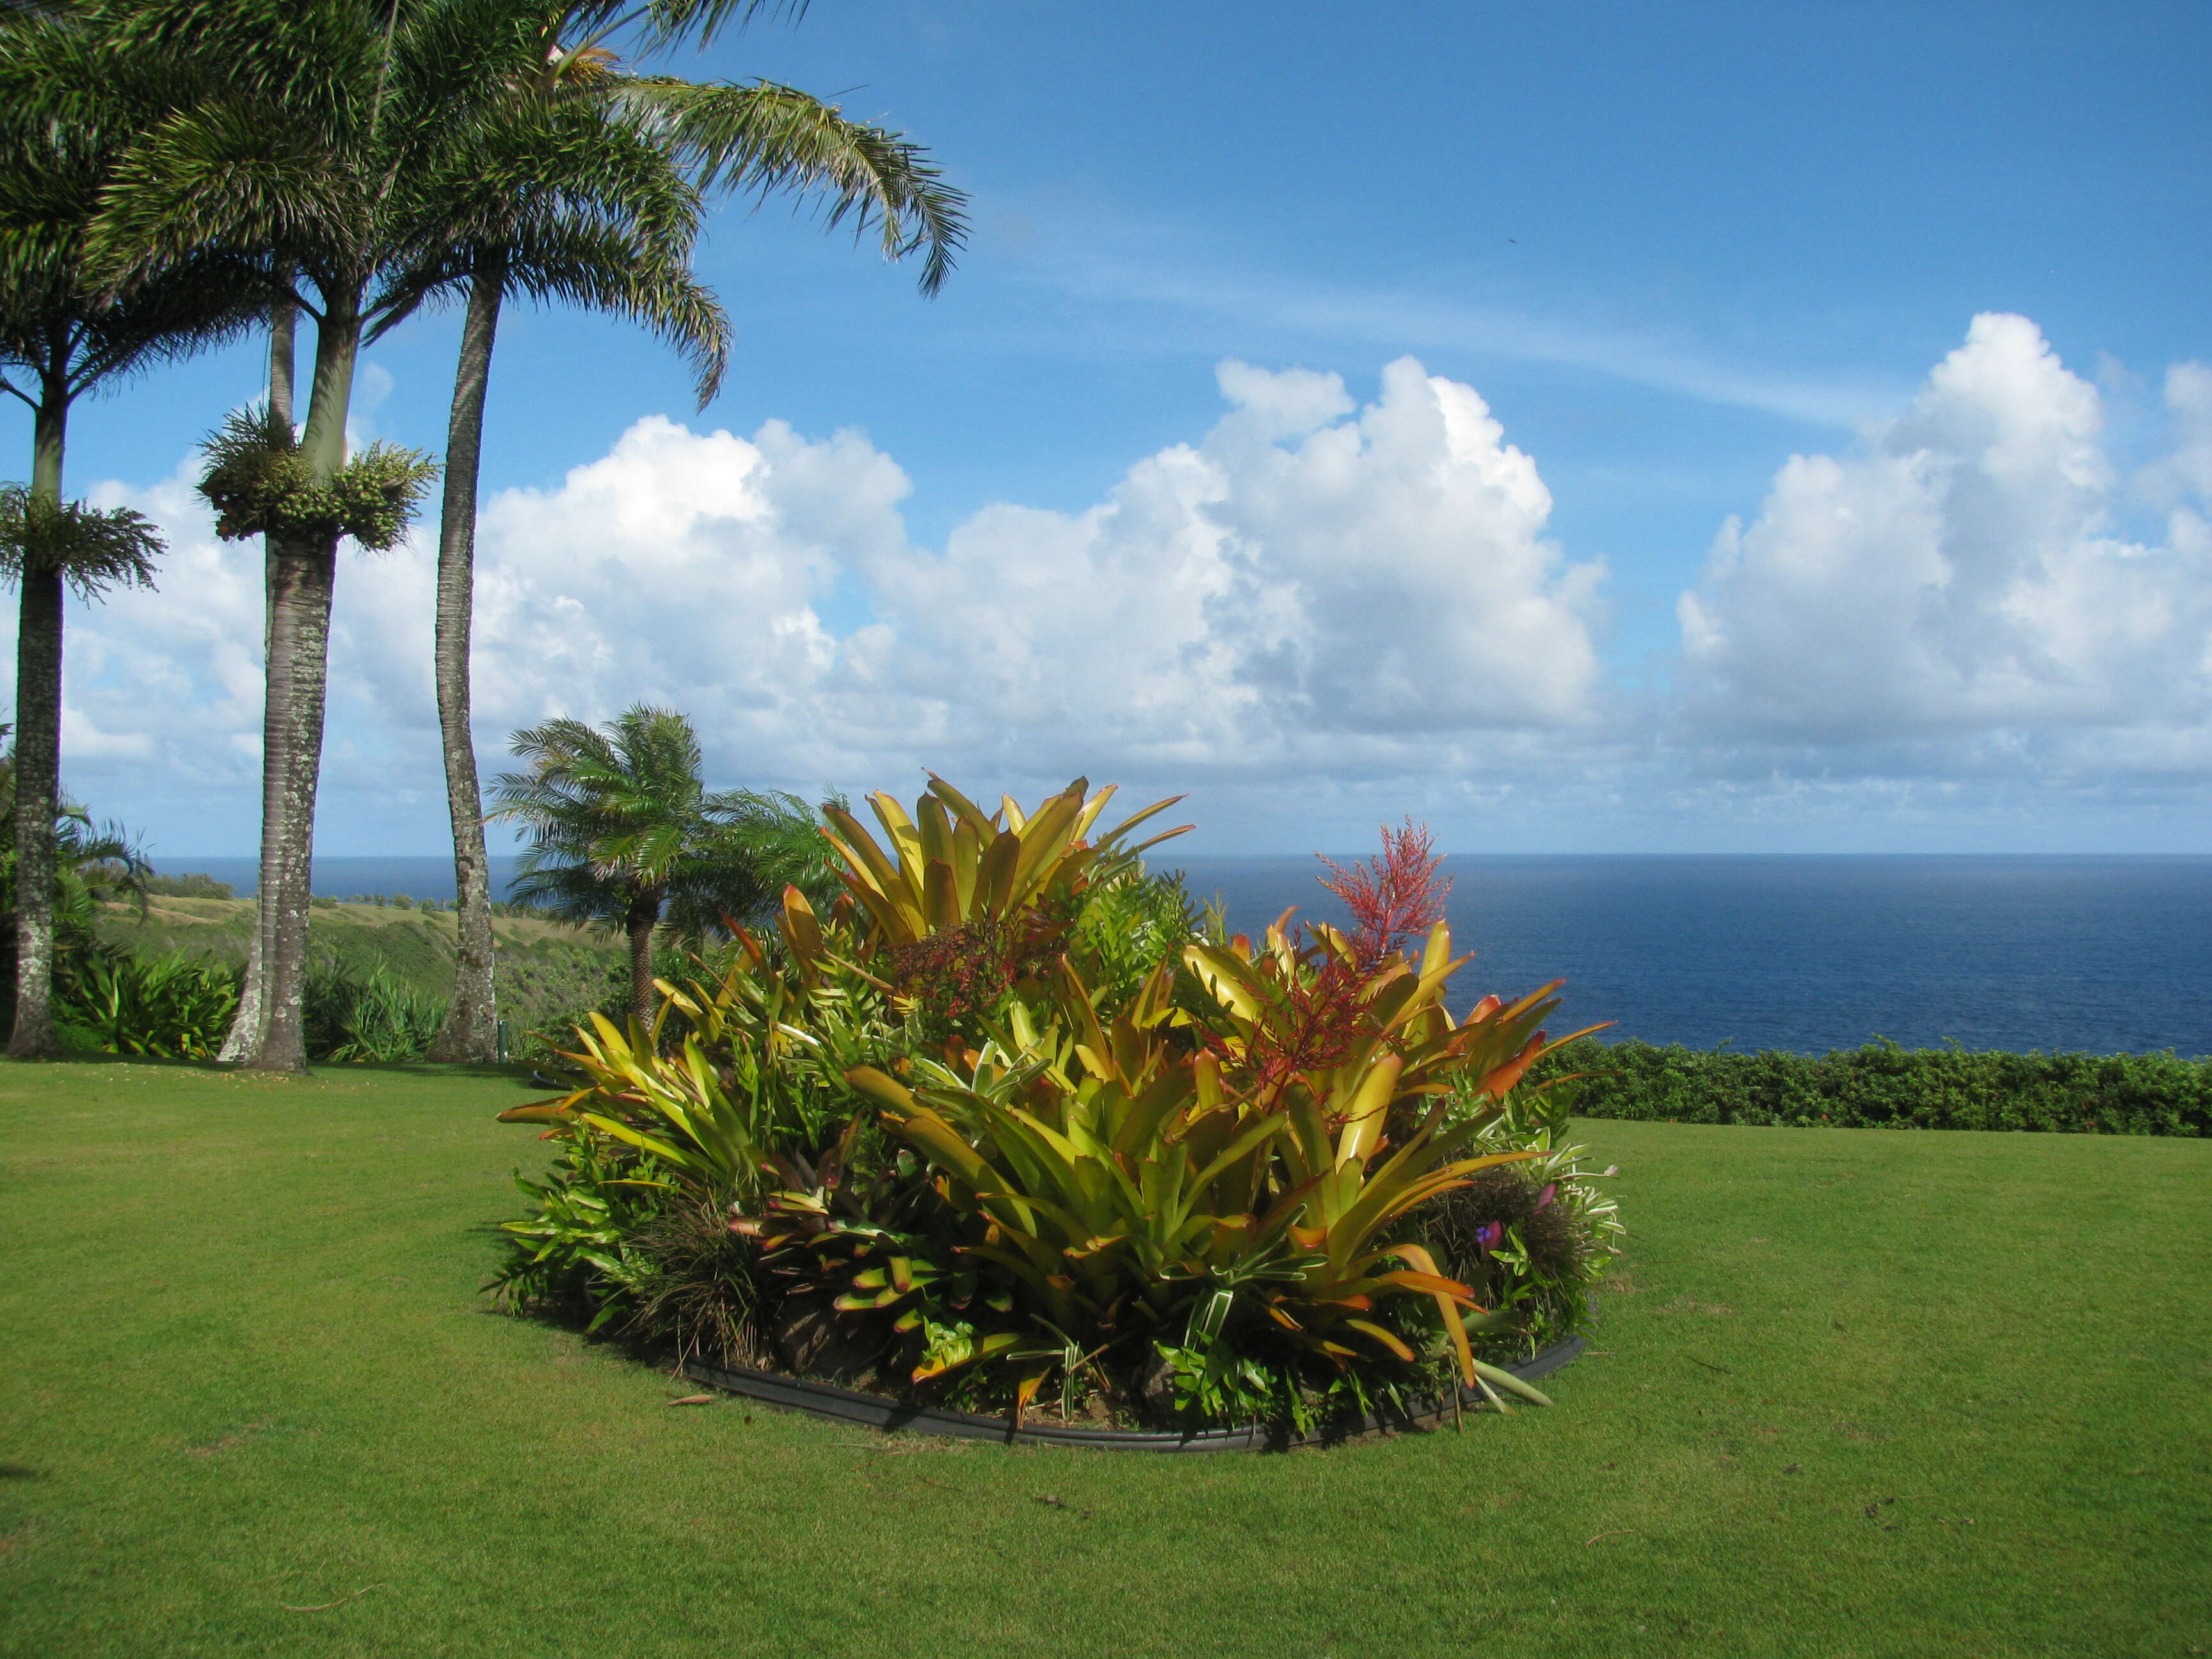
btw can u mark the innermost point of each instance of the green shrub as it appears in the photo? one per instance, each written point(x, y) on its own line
point(568, 1253)
point(375, 1017)
point(1126, 927)
point(171, 1006)
point(1533, 1238)
point(1882, 1085)
point(91, 865)
point(686, 1279)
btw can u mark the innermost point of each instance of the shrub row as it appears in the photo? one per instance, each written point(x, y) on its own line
point(1883, 1085)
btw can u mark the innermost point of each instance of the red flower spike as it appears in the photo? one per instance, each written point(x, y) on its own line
point(1397, 897)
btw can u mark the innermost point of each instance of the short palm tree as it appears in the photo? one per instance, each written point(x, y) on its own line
point(623, 834)
point(759, 138)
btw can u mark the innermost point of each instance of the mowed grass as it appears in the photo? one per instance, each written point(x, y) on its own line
point(1854, 1393)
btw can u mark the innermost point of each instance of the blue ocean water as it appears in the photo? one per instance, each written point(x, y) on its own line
point(2106, 955)
point(2103, 955)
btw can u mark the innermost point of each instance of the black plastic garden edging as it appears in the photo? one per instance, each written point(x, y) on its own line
point(874, 1411)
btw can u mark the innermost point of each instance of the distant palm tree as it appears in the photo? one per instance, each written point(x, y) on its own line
point(540, 232)
point(623, 834)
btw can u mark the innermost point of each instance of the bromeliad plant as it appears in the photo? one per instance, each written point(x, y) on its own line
point(959, 907)
point(1127, 1186)
point(949, 866)
point(994, 1154)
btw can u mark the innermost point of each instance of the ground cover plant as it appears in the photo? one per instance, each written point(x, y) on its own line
point(299, 1401)
point(967, 1151)
point(1882, 1085)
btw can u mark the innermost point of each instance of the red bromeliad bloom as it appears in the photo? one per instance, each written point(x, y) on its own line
point(1396, 898)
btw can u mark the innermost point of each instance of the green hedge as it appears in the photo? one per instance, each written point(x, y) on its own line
point(1885, 1086)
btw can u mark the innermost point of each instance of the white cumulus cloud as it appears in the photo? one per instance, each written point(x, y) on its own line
point(1306, 581)
point(1963, 581)
point(1310, 584)
point(1317, 611)
point(1305, 586)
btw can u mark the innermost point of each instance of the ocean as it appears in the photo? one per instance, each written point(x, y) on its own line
point(2102, 954)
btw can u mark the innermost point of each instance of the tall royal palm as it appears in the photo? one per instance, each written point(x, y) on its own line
point(320, 139)
point(622, 833)
point(759, 138)
point(60, 341)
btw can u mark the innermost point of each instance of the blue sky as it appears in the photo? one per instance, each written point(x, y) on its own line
point(1667, 248)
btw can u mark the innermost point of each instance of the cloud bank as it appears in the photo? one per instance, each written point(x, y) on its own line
point(1317, 607)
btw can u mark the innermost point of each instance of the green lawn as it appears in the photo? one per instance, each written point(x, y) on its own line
point(1856, 1393)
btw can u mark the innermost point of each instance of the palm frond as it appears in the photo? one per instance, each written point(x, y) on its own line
point(92, 550)
point(224, 176)
point(762, 138)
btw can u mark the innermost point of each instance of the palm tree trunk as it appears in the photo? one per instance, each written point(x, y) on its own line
point(471, 1028)
point(249, 1025)
point(298, 654)
point(302, 571)
point(38, 749)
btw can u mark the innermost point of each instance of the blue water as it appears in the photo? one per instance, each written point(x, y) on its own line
point(2106, 955)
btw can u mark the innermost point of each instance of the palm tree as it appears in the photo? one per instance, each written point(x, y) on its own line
point(759, 138)
point(58, 342)
point(571, 199)
point(623, 834)
point(276, 132)
point(319, 141)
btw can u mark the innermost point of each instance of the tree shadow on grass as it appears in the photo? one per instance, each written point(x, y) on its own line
point(509, 1071)
point(491, 1071)
point(103, 1057)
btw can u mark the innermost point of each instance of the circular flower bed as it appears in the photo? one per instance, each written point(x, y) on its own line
point(997, 1126)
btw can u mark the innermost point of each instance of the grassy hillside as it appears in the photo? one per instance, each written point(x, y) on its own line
point(546, 968)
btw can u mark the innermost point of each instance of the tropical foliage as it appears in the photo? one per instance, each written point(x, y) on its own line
point(90, 863)
point(971, 1147)
point(176, 1005)
point(372, 1017)
point(169, 1007)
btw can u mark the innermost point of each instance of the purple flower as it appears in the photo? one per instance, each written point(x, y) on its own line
point(1547, 1196)
point(1487, 1239)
